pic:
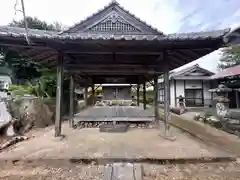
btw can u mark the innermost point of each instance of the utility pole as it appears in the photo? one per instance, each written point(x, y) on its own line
point(25, 22)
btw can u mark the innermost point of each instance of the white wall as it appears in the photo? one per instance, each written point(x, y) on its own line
point(193, 84)
point(188, 84)
point(206, 94)
point(180, 88)
point(179, 91)
point(7, 81)
point(172, 94)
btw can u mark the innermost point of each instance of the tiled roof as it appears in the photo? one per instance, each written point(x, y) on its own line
point(113, 3)
point(42, 34)
point(187, 69)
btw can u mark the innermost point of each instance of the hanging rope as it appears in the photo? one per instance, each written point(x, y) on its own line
point(24, 19)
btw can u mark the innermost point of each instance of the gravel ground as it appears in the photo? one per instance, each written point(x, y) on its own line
point(213, 171)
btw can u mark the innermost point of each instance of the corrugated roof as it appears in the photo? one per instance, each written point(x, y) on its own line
point(232, 71)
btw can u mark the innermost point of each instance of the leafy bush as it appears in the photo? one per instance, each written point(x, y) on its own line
point(210, 112)
point(20, 90)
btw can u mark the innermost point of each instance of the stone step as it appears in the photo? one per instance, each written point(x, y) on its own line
point(123, 171)
point(114, 128)
point(233, 121)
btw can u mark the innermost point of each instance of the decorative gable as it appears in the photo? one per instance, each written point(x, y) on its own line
point(115, 20)
point(194, 70)
point(113, 23)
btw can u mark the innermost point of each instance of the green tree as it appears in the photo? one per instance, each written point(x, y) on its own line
point(23, 67)
point(41, 80)
point(230, 57)
point(35, 23)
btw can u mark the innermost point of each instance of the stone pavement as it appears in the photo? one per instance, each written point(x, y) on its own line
point(90, 144)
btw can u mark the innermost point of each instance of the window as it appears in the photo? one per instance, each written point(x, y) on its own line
point(161, 93)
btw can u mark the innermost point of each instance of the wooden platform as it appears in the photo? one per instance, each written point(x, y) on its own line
point(115, 113)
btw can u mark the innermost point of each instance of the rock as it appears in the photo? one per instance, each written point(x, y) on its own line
point(10, 131)
point(12, 141)
point(5, 120)
point(37, 113)
point(197, 117)
point(29, 111)
point(213, 119)
point(234, 114)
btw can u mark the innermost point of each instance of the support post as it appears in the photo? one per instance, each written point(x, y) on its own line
point(138, 95)
point(71, 101)
point(86, 95)
point(166, 100)
point(237, 98)
point(93, 94)
point(156, 109)
point(144, 96)
point(58, 117)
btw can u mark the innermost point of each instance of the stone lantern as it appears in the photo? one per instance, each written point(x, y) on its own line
point(222, 105)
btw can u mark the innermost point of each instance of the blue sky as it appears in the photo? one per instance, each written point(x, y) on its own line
point(169, 16)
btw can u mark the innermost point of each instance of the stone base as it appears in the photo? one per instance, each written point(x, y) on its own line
point(167, 135)
point(118, 128)
point(97, 124)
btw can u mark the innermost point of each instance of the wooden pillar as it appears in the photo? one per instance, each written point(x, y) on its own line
point(156, 109)
point(86, 95)
point(59, 102)
point(138, 95)
point(237, 98)
point(166, 100)
point(144, 96)
point(93, 94)
point(175, 92)
point(71, 101)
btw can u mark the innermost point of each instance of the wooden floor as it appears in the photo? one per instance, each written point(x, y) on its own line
point(115, 113)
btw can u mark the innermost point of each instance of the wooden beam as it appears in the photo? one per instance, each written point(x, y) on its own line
point(116, 53)
point(114, 72)
point(71, 101)
point(58, 116)
point(188, 53)
point(148, 49)
point(24, 45)
point(109, 65)
point(181, 57)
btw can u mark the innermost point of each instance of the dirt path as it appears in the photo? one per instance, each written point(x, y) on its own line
point(214, 171)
